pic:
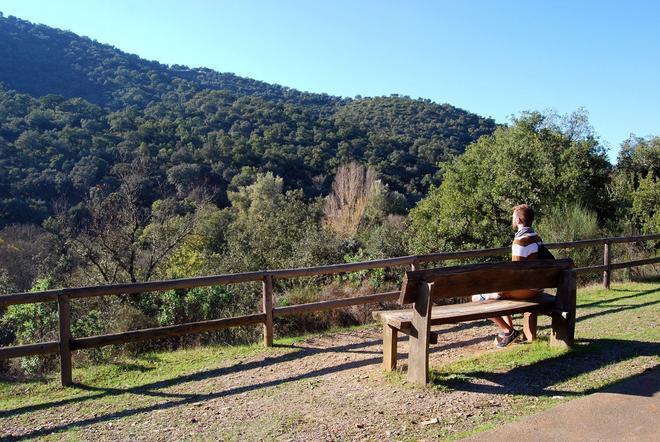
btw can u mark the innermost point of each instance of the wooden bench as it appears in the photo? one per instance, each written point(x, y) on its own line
point(422, 287)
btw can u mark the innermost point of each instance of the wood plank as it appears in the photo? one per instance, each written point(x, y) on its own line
point(334, 303)
point(530, 320)
point(463, 254)
point(267, 301)
point(483, 278)
point(636, 263)
point(618, 239)
point(390, 340)
point(19, 351)
point(591, 269)
point(334, 269)
point(64, 316)
point(566, 292)
point(157, 286)
point(29, 297)
point(599, 241)
point(449, 314)
point(187, 283)
point(166, 332)
point(607, 261)
point(563, 320)
point(418, 352)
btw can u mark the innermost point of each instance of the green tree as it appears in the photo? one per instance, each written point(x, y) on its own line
point(646, 204)
point(119, 240)
point(275, 229)
point(536, 160)
point(571, 222)
point(633, 184)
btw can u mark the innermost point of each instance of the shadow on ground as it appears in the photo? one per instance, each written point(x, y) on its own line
point(536, 379)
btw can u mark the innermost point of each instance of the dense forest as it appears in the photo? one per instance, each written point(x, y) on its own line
point(115, 169)
point(74, 111)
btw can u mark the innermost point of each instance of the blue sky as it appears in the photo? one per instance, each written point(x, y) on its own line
point(495, 58)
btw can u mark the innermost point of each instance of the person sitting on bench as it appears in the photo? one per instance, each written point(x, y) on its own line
point(525, 246)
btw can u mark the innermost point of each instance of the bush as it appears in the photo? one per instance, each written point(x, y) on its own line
point(197, 304)
point(29, 324)
point(205, 303)
point(532, 161)
point(322, 320)
point(571, 222)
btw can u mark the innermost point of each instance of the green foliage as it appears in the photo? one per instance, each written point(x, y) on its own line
point(634, 187)
point(198, 304)
point(198, 130)
point(640, 156)
point(32, 323)
point(387, 240)
point(119, 240)
point(275, 229)
point(375, 277)
point(571, 222)
point(646, 203)
point(535, 161)
point(6, 285)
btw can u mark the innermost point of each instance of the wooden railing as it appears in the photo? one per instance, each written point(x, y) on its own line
point(67, 343)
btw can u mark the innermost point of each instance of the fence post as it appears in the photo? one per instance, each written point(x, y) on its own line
point(64, 313)
point(607, 261)
point(268, 310)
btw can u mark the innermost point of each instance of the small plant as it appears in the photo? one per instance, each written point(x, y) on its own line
point(571, 222)
point(31, 323)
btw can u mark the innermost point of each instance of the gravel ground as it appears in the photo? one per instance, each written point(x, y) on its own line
point(327, 388)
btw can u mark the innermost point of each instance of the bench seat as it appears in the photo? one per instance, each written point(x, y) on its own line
point(422, 288)
point(451, 314)
point(400, 321)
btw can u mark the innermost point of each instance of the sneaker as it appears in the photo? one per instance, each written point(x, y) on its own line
point(507, 339)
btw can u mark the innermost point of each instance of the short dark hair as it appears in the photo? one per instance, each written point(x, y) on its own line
point(525, 214)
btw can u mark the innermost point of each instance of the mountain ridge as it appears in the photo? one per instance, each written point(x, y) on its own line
point(74, 113)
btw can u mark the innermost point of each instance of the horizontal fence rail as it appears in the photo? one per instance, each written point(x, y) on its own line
point(68, 343)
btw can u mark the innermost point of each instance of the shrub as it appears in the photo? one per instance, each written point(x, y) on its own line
point(32, 323)
point(571, 222)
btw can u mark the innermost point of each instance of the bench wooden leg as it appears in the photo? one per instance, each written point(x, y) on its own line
point(563, 329)
point(529, 325)
point(390, 337)
point(418, 353)
point(563, 321)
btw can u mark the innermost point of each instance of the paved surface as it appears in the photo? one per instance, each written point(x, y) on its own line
point(627, 411)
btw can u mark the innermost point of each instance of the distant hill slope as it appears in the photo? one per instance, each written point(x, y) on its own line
point(40, 60)
point(74, 112)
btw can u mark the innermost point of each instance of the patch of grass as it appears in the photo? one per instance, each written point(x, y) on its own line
point(149, 368)
point(125, 373)
point(496, 361)
point(640, 326)
point(617, 332)
point(617, 336)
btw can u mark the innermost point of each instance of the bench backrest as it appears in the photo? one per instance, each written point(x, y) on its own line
point(466, 280)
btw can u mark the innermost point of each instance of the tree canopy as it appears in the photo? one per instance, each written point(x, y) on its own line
point(73, 112)
point(537, 160)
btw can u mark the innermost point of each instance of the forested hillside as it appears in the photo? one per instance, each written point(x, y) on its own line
point(117, 169)
point(73, 111)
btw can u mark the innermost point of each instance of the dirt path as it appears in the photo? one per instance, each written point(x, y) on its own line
point(324, 388)
point(330, 388)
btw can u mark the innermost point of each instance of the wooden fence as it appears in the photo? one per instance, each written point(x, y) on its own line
point(67, 343)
